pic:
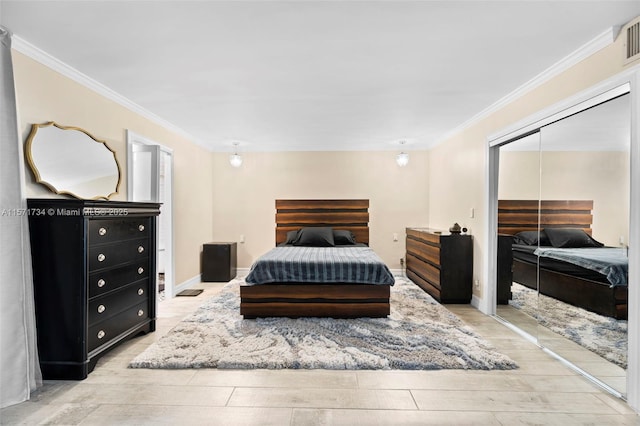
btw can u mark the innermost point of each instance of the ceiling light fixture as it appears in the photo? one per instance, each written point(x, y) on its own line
point(235, 159)
point(403, 158)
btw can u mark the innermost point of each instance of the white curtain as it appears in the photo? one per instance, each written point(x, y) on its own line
point(19, 369)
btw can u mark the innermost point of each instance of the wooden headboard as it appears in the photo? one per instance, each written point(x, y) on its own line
point(352, 215)
point(522, 215)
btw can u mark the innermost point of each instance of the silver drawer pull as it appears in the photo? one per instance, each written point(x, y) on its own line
point(140, 249)
point(101, 257)
point(101, 334)
point(140, 313)
point(140, 292)
point(101, 282)
point(140, 270)
point(101, 309)
point(140, 228)
point(102, 231)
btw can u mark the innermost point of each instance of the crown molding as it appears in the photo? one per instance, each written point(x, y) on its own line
point(598, 43)
point(39, 55)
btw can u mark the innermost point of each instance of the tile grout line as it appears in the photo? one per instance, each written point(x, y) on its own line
point(226, 403)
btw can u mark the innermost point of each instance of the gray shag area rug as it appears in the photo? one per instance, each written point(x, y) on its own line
point(600, 334)
point(419, 334)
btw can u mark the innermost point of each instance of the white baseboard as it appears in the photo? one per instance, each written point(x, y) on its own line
point(187, 284)
point(475, 301)
point(242, 272)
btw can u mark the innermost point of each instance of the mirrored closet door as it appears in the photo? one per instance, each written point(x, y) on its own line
point(518, 194)
point(564, 209)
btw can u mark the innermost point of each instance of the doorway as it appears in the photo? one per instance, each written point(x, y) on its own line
point(150, 179)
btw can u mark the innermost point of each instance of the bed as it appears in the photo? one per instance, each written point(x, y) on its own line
point(307, 280)
point(573, 267)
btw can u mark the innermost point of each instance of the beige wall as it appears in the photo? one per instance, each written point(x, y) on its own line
point(244, 198)
point(215, 202)
point(599, 176)
point(45, 95)
point(457, 177)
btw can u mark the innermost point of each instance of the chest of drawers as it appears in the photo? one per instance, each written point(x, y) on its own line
point(441, 263)
point(94, 279)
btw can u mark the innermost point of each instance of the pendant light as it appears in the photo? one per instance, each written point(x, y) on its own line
point(403, 158)
point(235, 159)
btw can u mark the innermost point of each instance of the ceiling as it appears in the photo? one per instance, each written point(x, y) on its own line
point(313, 75)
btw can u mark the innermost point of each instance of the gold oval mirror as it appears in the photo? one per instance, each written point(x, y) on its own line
point(69, 160)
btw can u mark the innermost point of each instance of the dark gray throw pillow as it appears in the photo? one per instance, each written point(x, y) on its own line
point(291, 236)
point(570, 238)
point(531, 238)
point(343, 237)
point(315, 237)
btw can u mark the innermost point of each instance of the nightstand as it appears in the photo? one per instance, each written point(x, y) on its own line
point(219, 262)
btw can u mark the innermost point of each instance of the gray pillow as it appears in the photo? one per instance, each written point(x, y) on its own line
point(315, 237)
point(343, 237)
point(570, 238)
point(291, 236)
point(531, 238)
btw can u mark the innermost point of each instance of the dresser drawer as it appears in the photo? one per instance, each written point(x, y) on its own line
point(102, 332)
point(104, 281)
point(431, 237)
point(108, 255)
point(428, 252)
point(108, 230)
point(426, 270)
point(102, 308)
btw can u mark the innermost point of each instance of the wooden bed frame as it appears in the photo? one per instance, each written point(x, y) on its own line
point(522, 215)
point(318, 300)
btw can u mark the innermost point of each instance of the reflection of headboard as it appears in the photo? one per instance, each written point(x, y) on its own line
point(522, 215)
point(352, 215)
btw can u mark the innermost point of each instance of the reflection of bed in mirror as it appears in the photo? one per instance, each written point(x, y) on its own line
point(313, 279)
point(599, 288)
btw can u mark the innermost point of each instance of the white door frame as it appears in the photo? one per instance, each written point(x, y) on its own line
point(132, 139)
point(627, 81)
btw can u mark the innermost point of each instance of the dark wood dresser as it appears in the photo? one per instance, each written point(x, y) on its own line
point(441, 263)
point(504, 269)
point(94, 279)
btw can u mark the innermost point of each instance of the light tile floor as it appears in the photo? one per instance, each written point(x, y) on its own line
point(607, 372)
point(543, 391)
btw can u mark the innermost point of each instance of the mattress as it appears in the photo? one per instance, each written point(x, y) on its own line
point(527, 254)
point(326, 265)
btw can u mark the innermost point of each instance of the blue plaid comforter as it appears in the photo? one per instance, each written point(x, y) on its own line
point(351, 265)
point(609, 261)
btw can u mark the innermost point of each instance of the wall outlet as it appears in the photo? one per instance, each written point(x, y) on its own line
point(402, 261)
point(476, 283)
point(241, 238)
point(395, 236)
